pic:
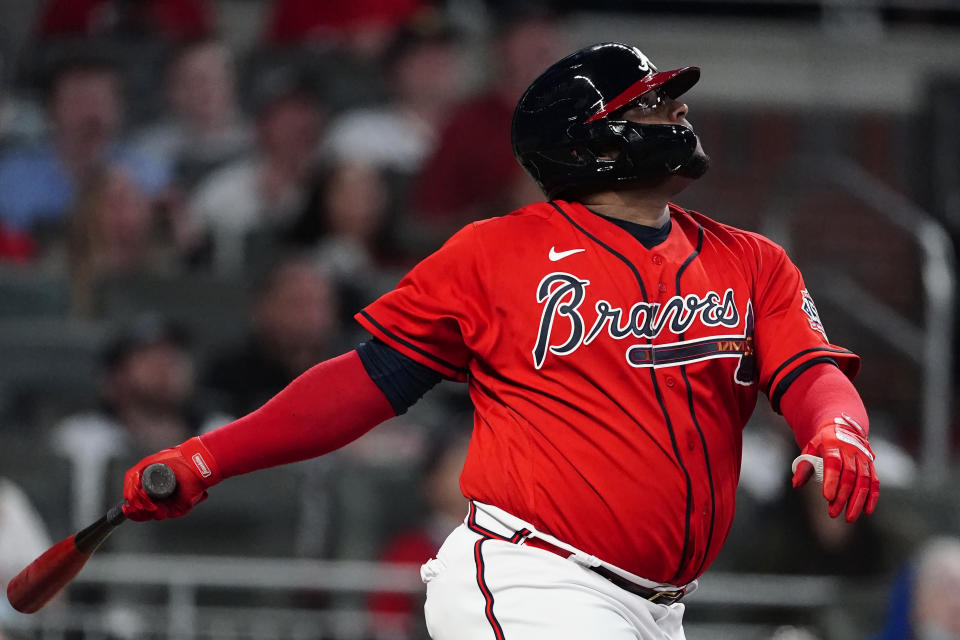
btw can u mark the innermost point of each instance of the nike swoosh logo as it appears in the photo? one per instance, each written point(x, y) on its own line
point(560, 255)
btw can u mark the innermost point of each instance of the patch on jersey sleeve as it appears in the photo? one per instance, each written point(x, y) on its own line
point(813, 316)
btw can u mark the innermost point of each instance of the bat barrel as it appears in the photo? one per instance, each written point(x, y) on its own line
point(44, 577)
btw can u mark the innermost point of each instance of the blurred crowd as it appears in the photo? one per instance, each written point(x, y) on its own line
point(291, 183)
point(215, 216)
point(130, 142)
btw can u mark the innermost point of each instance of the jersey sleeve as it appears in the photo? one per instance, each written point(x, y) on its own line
point(438, 311)
point(789, 335)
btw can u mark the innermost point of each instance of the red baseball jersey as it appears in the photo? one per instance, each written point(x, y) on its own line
point(610, 382)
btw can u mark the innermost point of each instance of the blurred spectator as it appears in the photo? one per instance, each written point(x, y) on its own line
point(345, 226)
point(149, 402)
point(266, 191)
point(23, 537)
point(84, 105)
point(113, 230)
point(364, 26)
point(925, 597)
point(203, 127)
point(294, 327)
point(936, 593)
point(421, 73)
point(166, 18)
point(473, 174)
point(398, 616)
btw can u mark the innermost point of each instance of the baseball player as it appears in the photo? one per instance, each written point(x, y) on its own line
point(614, 344)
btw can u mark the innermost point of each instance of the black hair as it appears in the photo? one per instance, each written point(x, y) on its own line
point(416, 34)
point(266, 279)
point(185, 47)
point(292, 81)
point(512, 15)
point(143, 330)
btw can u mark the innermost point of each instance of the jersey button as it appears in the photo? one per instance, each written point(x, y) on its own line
point(662, 288)
point(670, 381)
point(657, 260)
point(691, 441)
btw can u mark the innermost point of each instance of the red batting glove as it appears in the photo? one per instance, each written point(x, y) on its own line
point(849, 477)
point(196, 470)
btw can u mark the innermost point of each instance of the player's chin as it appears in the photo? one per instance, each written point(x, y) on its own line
point(696, 166)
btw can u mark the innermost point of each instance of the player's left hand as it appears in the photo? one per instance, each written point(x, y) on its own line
point(849, 476)
point(195, 469)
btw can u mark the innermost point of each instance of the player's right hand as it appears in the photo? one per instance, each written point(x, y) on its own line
point(196, 470)
point(849, 476)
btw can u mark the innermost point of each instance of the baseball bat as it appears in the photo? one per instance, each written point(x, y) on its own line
point(57, 566)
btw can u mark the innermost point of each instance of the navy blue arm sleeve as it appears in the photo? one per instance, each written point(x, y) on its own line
point(401, 379)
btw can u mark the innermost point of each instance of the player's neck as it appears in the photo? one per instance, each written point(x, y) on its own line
point(647, 208)
point(643, 203)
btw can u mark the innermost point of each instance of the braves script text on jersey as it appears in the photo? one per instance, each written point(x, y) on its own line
point(611, 382)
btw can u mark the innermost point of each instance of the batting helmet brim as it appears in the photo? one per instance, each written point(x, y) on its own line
point(675, 83)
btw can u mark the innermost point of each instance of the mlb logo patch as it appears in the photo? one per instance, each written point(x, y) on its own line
point(813, 316)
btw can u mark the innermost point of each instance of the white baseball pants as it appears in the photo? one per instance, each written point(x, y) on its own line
point(480, 588)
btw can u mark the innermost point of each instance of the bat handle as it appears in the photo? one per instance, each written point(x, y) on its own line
point(159, 482)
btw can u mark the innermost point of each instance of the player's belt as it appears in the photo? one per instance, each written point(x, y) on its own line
point(660, 597)
point(493, 522)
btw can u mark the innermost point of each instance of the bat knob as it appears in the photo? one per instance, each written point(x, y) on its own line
point(815, 461)
point(159, 481)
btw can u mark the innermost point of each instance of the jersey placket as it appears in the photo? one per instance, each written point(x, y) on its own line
point(703, 500)
point(674, 390)
point(650, 268)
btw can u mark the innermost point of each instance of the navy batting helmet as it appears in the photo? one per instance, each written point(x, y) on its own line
point(567, 131)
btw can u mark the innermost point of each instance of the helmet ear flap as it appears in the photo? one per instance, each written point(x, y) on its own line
point(599, 142)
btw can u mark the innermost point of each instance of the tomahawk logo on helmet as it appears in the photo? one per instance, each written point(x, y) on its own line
point(644, 62)
point(569, 134)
